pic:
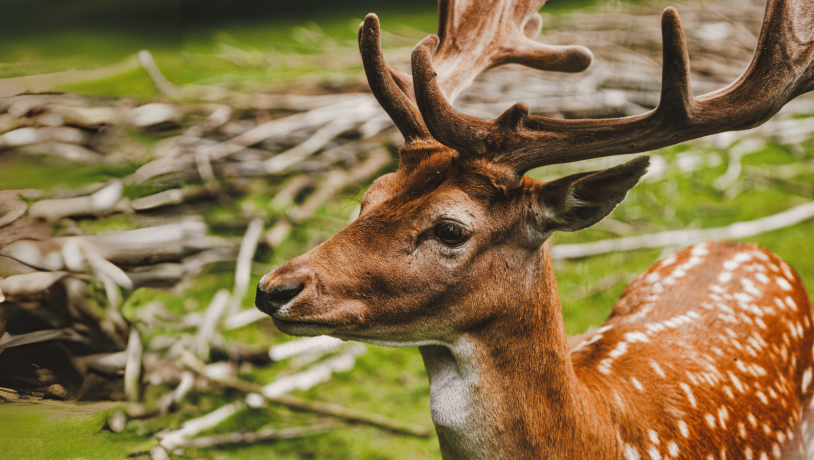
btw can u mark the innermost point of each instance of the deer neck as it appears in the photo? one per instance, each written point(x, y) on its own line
point(508, 389)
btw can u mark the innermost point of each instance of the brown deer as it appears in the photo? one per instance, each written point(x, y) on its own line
point(707, 355)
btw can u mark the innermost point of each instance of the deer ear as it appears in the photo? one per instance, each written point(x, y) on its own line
point(581, 200)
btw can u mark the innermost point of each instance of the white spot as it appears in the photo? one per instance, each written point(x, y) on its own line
point(687, 390)
point(654, 437)
point(724, 277)
point(620, 349)
point(668, 261)
point(749, 286)
point(762, 278)
point(762, 397)
point(634, 337)
point(742, 430)
point(776, 451)
point(806, 379)
point(722, 417)
point(735, 380)
point(654, 453)
point(699, 250)
point(752, 420)
point(631, 453)
point(790, 303)
point(730, 265)
point(784, 285)
point(657, 369)
point(710, 420)
point(682, 427)
point(742, 257)
point(672, 448)
point(748, 453)
point(652, 278)
point(636, 384)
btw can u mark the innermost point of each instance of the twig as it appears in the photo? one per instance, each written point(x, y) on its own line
point(163, 85)
point(304, 345)
point(171, 439)
point(262, 435)
point(39, 83)
point(210, 321)
point(132, 369)
point(311, 377)
point(314, 406)
point(783, 219)
point(244, 261)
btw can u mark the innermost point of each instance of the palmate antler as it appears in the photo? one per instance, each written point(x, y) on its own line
point(781, 70)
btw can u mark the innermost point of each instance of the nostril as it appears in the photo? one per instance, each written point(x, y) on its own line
point(282, 294)
point(270, 301)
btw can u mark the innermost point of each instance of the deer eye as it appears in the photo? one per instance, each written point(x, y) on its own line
point(450, 233)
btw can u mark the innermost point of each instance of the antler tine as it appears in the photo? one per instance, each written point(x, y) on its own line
point(781, 70)
point(448, 126)
point(476, 36)
point(387, 91)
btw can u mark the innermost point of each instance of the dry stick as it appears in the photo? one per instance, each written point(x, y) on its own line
point(262, 435)
point(314, 375)
point(39, 83)
point(172, 439)
point(293, 402)
point(244, 262)
point(209, 323)
point(132, 369)
point(304, 345)
point(318, 140)
point(737, 230)
point(163, 85)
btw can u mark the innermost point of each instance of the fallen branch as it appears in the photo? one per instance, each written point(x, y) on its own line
point(293, 402)
point(737, 230)
point(40, 83)
point(258, 436)
point(311, 377)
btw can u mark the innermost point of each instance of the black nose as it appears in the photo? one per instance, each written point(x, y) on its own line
point(270, 301)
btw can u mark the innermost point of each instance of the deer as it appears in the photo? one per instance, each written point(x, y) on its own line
point(706, 355)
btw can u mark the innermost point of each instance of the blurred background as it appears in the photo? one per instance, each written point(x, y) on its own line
point(157, 158)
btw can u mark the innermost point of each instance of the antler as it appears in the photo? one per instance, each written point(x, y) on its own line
point(475, 36)
point(780, 71)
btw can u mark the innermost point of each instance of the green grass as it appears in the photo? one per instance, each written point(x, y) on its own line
point(55, 431)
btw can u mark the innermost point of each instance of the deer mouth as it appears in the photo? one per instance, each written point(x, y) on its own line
point(301, 327)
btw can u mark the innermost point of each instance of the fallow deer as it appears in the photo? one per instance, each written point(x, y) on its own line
point(707, 355)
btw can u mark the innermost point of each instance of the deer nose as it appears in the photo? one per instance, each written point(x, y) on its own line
point(271, 300)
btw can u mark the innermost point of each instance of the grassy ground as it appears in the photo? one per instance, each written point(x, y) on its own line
point(387, 381)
